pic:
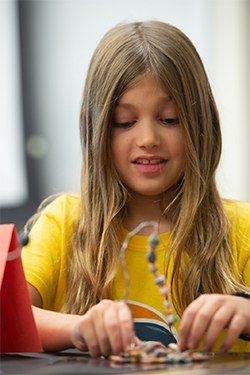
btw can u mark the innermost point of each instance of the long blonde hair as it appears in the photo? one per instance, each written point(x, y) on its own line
point(126, 54)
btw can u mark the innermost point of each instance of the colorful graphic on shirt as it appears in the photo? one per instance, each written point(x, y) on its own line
point(151, 325)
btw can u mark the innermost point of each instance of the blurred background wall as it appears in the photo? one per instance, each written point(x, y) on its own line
point(45, 48)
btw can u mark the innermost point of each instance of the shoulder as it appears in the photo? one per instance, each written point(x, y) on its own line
point(238, 212)
point(55, 216)
point(65, 206)
point(52, 230)
point(239, 229)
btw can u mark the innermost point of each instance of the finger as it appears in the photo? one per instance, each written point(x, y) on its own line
point(113, 329)
point(126, 323)
point(219, 321)
point(187, 322)
point(101, 335)
point(235, 328)
point(202, 321)
point(79, 342)
point(137, 341)
point(87, 331)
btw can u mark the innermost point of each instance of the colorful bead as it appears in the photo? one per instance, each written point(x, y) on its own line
point(151, 257)
point(166, 304)
point(171, 319)
point(175, 347)
point(147, 353)
point(159, 280)
point(153, 241)
point(149, 346)
point(153, 268)
point(164, 290)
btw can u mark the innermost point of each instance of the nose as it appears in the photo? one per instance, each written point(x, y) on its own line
point(148, 135)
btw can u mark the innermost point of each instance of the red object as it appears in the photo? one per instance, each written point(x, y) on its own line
point(18, 328)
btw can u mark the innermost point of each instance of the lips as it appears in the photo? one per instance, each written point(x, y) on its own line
point(147, 161)
point(149, 164)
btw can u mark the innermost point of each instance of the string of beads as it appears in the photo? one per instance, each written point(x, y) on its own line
point(153, 352)
point(160, 280)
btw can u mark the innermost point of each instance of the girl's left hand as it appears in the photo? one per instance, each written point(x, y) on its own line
point(210, 314)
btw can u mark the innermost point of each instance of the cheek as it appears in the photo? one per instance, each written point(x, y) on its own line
point(116, 150)
point(118, 144)
point(113, 143)
point(181, 149)
point(182, 157)
point(176, 143)
point(178, 150)
point(116, 153)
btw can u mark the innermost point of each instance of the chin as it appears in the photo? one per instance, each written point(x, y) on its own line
point(148, 193)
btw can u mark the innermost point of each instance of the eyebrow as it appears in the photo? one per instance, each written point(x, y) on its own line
point(124, 105)
point(130, 105)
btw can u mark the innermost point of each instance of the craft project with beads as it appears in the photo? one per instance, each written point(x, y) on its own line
point(153, 352)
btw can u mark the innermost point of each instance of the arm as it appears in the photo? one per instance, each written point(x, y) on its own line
point(106, 328)
point(54, 328)
point(210, 314)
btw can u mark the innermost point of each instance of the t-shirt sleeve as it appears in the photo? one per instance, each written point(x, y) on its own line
point(246, 272)
point(245, 249)
point(45, 256)
point(242, 239)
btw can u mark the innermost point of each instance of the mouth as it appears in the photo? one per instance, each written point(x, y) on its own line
point(147, 161)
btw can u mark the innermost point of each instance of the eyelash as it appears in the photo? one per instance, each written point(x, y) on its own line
point(123, 124)
point(167, 121)
point(171, 121)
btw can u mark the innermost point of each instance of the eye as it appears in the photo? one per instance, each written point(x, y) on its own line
point(123, 124)
point(170, 121)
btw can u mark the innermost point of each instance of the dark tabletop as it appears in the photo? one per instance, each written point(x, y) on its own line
point(70, 362)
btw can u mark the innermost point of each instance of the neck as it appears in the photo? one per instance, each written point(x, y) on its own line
point(141, 208)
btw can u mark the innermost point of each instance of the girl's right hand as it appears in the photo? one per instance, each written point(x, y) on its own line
point(106, 328)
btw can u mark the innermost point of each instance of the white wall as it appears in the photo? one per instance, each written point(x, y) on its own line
point(63, 36)
point(13, 181)
point(229, 71)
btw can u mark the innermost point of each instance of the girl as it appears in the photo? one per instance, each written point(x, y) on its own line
point(151, 144)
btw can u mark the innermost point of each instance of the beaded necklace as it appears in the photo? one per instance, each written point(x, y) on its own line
point(159, 280)
point(153, 352)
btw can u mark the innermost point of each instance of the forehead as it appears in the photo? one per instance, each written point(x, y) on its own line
point(145, 87)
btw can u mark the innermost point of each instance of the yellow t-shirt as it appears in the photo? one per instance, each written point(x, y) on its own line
point(45, 257)
point(45, 261)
